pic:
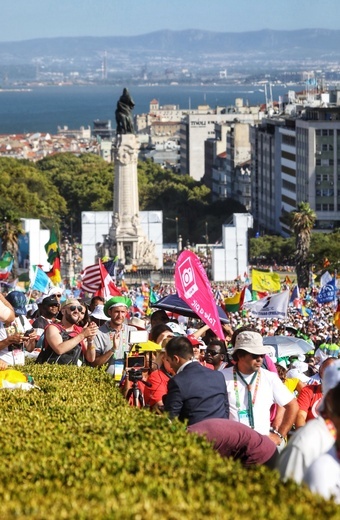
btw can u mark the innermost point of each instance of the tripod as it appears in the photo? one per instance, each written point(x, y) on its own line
point(134, 395)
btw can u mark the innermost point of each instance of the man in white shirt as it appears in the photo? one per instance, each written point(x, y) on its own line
point(313, 439)
point(252, 389)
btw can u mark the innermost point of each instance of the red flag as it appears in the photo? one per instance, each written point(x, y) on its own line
point(107, 288)
point(54, 273)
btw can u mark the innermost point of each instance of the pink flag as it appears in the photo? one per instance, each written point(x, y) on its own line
point(194, 288)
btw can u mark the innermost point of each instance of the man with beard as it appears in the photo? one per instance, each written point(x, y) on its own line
point(49, 309)
point(66, 343)
point(252, 390)
point(112, 340)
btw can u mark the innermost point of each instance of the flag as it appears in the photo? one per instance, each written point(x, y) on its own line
point(327, 293)
point(153, 297)
point(288, 281)
point(96, 280)
point(123, 286)
point(6, 264)
point(54, 273)
point(337, 316)
point(194, 288)
point(106, 288)
point(232, 304)
point(326, 263)
point(245, 296)
point(91, 278)
point(265, 281)
point(325, 278)
point(51, 247)
point(272, 306)
point(39, 280)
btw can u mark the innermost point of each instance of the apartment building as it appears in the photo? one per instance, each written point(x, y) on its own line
point(296, 159)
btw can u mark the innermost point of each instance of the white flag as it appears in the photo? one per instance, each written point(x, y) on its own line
point(272, 306)
point(325, 278)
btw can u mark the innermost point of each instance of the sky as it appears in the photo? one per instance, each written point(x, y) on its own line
point(29, 19)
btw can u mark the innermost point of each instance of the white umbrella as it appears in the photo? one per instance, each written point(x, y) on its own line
point(286, 346)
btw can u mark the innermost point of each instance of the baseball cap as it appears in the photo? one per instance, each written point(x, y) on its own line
point(49, 301)
point(18, 301)
point(98, 313)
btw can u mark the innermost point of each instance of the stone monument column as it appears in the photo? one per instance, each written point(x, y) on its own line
point(126, 235)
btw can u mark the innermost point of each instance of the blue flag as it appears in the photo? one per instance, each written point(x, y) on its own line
point(39, 279)
point(327, 293)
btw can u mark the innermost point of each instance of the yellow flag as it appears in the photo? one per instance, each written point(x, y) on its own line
point(265, 281)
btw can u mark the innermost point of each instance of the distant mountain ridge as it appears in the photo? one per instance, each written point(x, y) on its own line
point(295, 44)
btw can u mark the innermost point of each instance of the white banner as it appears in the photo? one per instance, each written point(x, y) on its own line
point(272, 306)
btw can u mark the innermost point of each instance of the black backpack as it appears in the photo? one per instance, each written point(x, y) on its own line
point(48, 355)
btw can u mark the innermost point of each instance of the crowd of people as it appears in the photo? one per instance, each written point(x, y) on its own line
point(251, 403)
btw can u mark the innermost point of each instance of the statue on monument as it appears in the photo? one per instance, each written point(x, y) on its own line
point(124, 118)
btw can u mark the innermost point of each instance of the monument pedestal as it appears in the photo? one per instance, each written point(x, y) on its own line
point(128, 240)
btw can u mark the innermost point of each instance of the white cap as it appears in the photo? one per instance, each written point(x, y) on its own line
point(294, 373)
point(330, 379)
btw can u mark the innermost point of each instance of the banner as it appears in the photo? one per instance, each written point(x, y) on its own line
point(194, 288)
point(327, 293)
point(265, 281)
point(272, 306)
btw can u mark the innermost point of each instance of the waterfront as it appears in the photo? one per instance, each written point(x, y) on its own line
point(43, 109)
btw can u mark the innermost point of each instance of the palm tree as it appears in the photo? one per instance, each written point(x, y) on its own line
point(301, 223)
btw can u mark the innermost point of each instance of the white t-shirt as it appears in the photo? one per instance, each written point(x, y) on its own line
point(270, 390)
point(16, 326)
point(323, 475)
point(305, 445)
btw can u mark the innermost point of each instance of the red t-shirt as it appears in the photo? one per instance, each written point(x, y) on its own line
point(159, 387)
point(309, 399)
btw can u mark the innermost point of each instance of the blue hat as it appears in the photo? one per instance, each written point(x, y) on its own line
point(18, 301)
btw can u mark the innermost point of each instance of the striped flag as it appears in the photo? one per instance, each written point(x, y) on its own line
point(95, 278)
point(6, 264)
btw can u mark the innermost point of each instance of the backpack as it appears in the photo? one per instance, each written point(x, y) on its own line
point(48, 355)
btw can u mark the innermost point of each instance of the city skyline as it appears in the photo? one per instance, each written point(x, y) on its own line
point(36, 19)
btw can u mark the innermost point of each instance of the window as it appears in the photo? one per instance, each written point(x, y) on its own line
point(324, 132)
point(325, 177)
point(331, 207)
point(318, 162)
point(318, 207)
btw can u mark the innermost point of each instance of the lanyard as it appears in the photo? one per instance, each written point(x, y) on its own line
point(251, 399)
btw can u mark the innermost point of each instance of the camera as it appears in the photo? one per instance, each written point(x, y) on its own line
point(187, 276)
point(28, 332)
point(135, 375)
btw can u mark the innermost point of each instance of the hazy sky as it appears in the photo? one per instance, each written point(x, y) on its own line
point(27, 19)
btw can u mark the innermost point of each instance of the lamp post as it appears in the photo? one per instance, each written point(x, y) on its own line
point(176, 221)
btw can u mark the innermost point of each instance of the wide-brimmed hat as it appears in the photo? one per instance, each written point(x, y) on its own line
point(98, 313)
point(137, 322)
point(18, 301)
point(116, 301)
point(251, 342)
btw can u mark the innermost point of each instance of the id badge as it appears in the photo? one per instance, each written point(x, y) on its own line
point(243, 417)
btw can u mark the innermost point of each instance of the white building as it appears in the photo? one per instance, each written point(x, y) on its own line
point(230, 260)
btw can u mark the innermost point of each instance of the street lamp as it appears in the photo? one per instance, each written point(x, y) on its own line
point(176, 221)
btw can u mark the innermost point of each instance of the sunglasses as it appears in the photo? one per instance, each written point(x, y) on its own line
point(58, 295)
point(212, 352)
point(76, 308)
point(255, 356)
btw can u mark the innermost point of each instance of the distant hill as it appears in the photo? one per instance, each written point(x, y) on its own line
point(298, 44)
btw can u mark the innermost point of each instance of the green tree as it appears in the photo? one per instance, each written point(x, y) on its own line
point(85, 182)
point(302, 222)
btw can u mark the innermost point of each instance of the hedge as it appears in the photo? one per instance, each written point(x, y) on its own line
point(75, 450)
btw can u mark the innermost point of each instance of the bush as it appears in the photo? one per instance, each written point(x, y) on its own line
point(76, 450)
